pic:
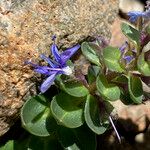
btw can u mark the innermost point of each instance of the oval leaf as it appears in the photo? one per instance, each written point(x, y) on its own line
point(135, 89)
point(131, 33)
point(125, 97)
point(108, 91)
point(112, 58)
point(36, 116)
point(89, 53)
point(143, 66)
point(92, 116)
point(68, 110)
point(74, 88)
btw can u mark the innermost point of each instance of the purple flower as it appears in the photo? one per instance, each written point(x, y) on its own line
point(56, 66)
point(128, 59)
point(122, 49)
point(134, 15)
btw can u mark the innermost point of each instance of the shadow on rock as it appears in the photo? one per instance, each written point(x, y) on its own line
point(132, 139)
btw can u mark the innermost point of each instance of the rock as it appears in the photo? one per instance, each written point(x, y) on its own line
point(139, 138)
point(136, 116)
point(130, 5)
point(118, 38)
point(26, 28)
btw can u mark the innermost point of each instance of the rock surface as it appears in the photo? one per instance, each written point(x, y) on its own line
point(134, 118)
point(130, 5)
point(133, 125)
point(118, 38)
point(26, 27)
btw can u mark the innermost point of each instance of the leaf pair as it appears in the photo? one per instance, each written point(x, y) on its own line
point(37, 117)
point(112, 92)
point(111, 56)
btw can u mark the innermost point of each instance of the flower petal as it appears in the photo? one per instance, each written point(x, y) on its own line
point(47, 83)
point(123, 47)
point(41, 71)
point(48, 60)
point(128, 59)
point(45, 70)
point(65, 56)
point(134, 15)
point(55, 53)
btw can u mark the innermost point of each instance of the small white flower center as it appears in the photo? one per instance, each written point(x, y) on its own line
point(67, 70)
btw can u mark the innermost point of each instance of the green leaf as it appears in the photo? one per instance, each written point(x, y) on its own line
point(135, 89)
point(108, 91)
point(93, 72)
point(90, 53)
point(131, 33)
point(77, 139)
point(36, 116)
point(143, 66)
point(112, 57)
point(68, 110)
point(125, 97)
point(19, 144)
point(8, 146)
point(74, 88)
point(92, 116)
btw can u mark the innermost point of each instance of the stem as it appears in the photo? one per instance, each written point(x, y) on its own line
point(92, 88)
point(139, 24)
point(118, 136)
